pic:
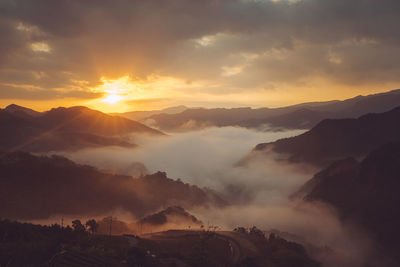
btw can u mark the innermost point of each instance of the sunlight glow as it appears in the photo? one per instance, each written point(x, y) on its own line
point(128, 93)
point(112, 99)
point(114, 90)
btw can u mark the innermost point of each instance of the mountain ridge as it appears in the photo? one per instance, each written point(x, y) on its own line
point(65, 129)
point(363, 192)
point(28, 182)
point(332, 139)
point(295, 118)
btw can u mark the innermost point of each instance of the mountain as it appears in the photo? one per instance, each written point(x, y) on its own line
point(33, 187)
point(163, 216)
point(366, 193)
point(333, 139)
point(140, 115)
point(26, 244)
point(300, 116)
point(83, 119)
point(198, 118)
point(58, 141)
point(174, 217)
point(22, 111)
point(65, 129)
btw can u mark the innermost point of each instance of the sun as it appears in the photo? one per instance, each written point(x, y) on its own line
point(112, 99)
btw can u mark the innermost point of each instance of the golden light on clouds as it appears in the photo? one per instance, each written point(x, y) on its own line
point(156, 92)
point(112, 99)
point(40, 47)
point(114, 90)
point(126, 93)
point(258, 53)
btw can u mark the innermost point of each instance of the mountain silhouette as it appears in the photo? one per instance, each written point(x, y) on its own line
point(65, 128)
point(140, 115)
point(171, 214)
point(333, 139)
point(365, 192)
point(33, 187)
point(22, 111)
point(300, 116)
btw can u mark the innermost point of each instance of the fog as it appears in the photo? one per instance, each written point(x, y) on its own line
point(314, 225)
point(258, 192)
point(206, 158)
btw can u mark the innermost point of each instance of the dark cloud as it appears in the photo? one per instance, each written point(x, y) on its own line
point(345, 42)
point(12, 92)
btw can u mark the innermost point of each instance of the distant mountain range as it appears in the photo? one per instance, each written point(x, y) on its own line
point(64, 129)
point(333, 139)
point(301, 116)
point(33, 187)
point(362, 185)
point(366, 193)
point(142, 115)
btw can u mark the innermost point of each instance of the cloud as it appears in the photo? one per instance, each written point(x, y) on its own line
point(32, 93)
point(275, 44)
point(258, 193)
point(205, 158)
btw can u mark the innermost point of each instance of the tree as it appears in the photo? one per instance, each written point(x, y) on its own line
point(78, 226)
point(92, 225)
point(241, 230)
point(256, 232)
point(272, 236)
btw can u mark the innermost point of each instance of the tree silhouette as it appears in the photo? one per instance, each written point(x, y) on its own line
point(92, 226)
point(78, 226)
point(240, 230)
point(256, 232)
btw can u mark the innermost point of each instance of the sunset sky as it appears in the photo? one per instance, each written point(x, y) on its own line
point(119, 55)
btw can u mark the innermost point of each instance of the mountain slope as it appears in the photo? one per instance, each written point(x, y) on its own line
point(22, 111)
point(366, 193)
point(140, 115)
point(333, 139)
point(83, 119)
point(26, 244)
point(34, 187)
point(303, 118)
point(300, 116)
point(64, 129)
point(169, 218)
point(174, 217)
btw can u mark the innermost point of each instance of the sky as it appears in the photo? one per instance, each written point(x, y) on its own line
point(120, 55)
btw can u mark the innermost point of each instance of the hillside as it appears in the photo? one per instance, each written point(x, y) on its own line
point(174, 217)
point(83, 119)
point(22, 111)
point(33, 187)
point(164, 216)
point(365, 193)
point(25, 244)
point(65, 129)
point(300, 116)
point(140, 115)
point(333, 139)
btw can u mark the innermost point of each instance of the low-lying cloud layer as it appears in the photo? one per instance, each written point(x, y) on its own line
point(206, 158)
point(258, 193)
